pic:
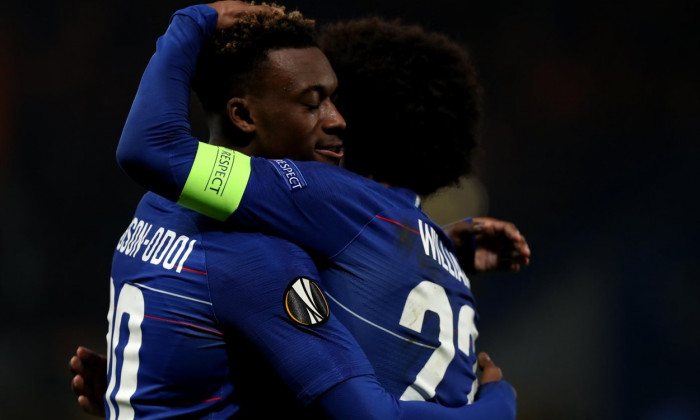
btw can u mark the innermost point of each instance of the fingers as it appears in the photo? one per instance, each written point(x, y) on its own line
point(89, 381)
point(460, 230)
point(91, 404)
point(493, 227)
point(78, 385)
point(489, 260)
point(76, 366)
point(489, 371)
point(512, 262)
point(229, 11)
point(81, 363)
point(500, 246)
point(521, 248)
point(89, 357)
point(91, 407)
point(485, 360)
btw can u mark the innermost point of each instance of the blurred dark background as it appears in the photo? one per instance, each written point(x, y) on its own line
point(590, 147)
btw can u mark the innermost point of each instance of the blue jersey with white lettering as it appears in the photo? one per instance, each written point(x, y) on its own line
point(391, 275)
point(389, 271)
point(205, 323)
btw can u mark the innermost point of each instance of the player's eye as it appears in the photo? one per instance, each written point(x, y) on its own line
point(311, 100)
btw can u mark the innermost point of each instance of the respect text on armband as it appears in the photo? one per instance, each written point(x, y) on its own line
point(290, 173)
point(220, 172)
point(160, 247)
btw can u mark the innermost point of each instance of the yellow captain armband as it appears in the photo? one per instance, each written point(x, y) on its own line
point(216, 181)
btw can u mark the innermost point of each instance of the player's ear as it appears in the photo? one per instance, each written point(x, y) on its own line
point(239, 113)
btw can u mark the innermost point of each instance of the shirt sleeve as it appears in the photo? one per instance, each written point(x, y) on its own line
point(253, 297)
point(363, 397)
point(156, 147)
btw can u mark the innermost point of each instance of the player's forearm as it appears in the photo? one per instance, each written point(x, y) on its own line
point(363, 397)
point(156, 147)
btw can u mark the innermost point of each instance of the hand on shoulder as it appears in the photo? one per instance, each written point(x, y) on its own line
point(231, 10)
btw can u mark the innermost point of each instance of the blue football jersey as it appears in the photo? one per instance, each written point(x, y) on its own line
point(205, 323)
point(185, 309)
point(390, 272)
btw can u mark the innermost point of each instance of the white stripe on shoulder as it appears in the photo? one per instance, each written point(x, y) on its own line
point(379, 326)
point(171, 294)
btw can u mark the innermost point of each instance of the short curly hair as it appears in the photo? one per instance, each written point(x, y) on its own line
point(229, 59)
point(411, 100)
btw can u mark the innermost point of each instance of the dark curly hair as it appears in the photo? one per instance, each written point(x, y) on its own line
point(229, 59)
point(411, 100)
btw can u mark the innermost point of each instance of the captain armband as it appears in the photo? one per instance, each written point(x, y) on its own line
point(216, 181)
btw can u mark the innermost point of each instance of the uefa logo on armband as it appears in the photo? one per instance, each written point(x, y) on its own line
point(305, 304)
